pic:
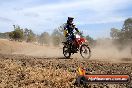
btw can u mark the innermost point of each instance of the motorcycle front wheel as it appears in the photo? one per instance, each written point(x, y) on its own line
point(85, 51)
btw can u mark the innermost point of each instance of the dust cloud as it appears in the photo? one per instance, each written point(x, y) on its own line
point(104, 50)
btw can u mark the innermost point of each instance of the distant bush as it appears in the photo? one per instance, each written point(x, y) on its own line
point(4, 35)
point(57, 37)
point(44, 38)
point(17, 34)
point(30, 38)
point(20, 34)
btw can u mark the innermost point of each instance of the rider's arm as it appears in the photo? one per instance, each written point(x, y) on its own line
point(65, 31)
point(76, 29)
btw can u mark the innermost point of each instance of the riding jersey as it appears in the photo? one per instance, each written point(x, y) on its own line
point(69, 29)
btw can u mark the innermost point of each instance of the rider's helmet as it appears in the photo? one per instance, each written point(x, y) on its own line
point(70, 20)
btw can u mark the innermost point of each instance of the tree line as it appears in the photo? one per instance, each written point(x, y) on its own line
point(123, 36)
point(24, 34)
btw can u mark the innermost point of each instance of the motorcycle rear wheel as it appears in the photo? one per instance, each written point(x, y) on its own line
point(66, 52)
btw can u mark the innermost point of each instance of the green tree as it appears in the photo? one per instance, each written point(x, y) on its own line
point(31, 37)
point(127, 28)
point(44, 38)
point(57, 37)
point(123, 36)
point(17, 34)
point(22, 34)
point(90, 40)
point(11, 35)
point(115, 33)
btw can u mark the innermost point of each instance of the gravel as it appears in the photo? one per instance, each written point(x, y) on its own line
point(20, 71)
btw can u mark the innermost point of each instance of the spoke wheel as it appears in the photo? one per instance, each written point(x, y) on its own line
point(66, 52)
point(85, 51)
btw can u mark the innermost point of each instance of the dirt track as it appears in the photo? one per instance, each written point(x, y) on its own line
point(18, 69)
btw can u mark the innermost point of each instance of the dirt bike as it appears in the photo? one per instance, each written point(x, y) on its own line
point(79, 45)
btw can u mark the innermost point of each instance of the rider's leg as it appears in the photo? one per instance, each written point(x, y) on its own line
point(74, 47)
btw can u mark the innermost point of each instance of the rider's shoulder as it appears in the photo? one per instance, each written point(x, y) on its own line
point(73, 24)
point(65, 24)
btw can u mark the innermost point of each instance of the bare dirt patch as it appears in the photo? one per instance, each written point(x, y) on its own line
point(32, 66)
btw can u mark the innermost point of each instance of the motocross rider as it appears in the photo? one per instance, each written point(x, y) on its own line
point(69, 30)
